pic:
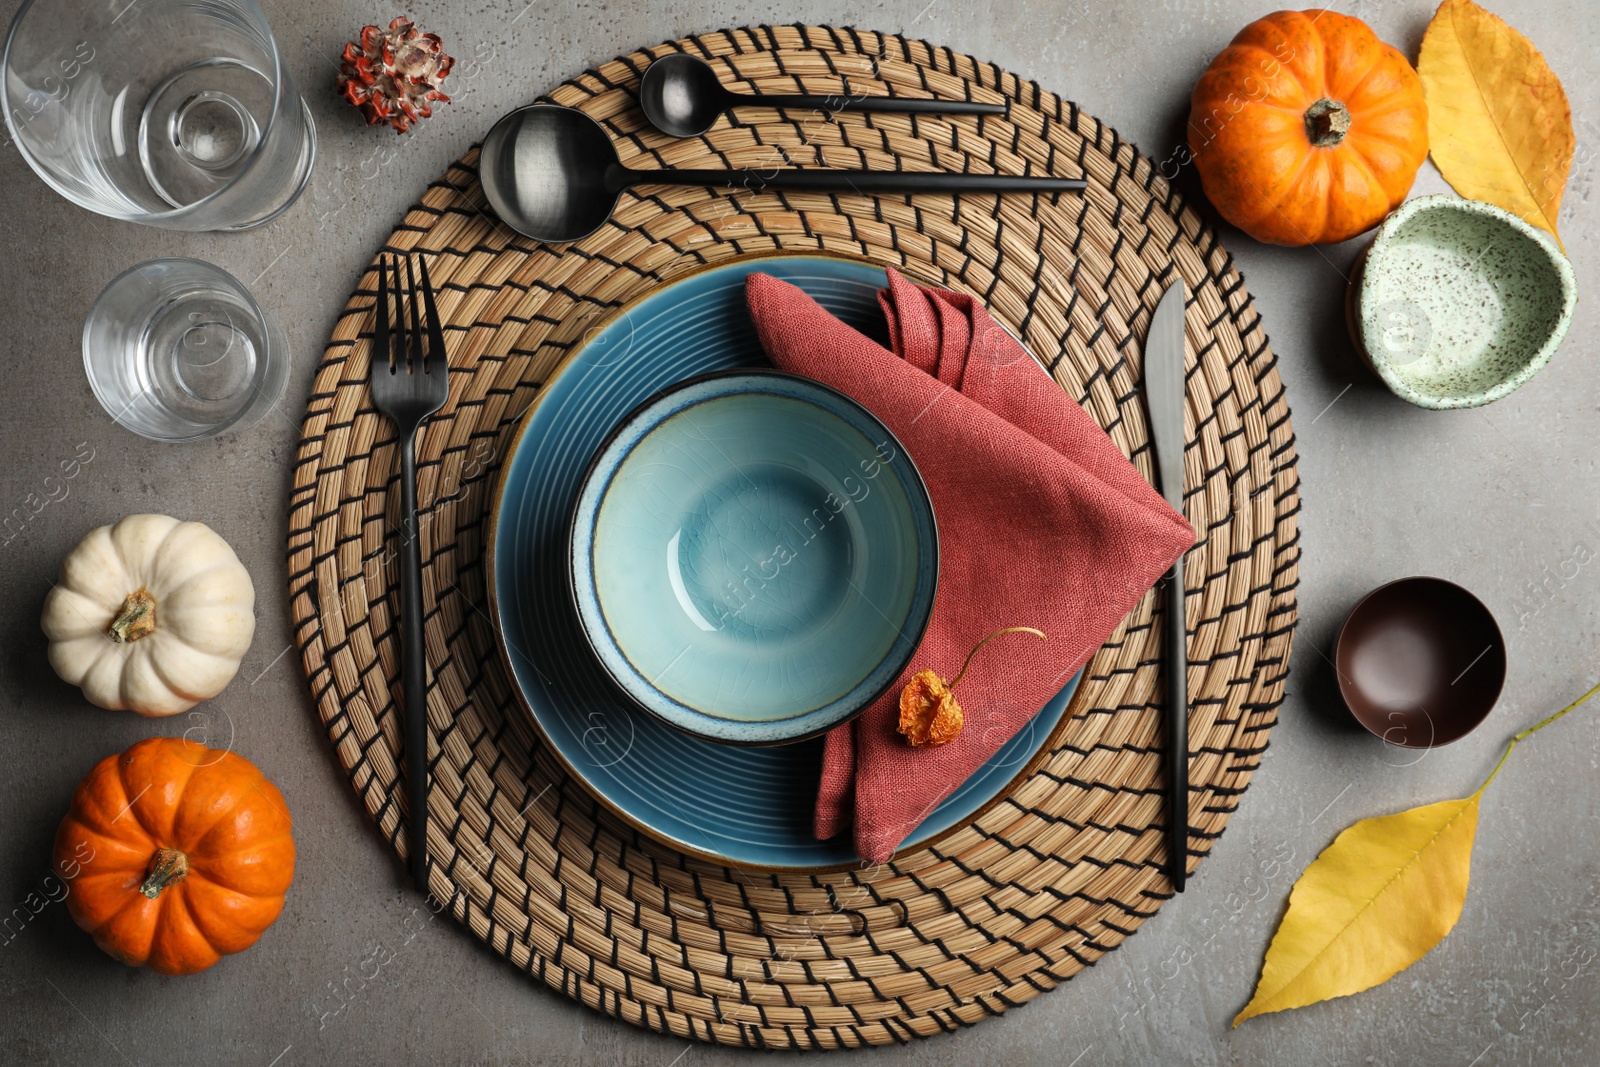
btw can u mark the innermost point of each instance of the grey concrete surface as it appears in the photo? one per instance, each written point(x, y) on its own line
point(1504, 500)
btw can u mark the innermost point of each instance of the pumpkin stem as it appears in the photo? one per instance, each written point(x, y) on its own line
point(1327, 121)
point(167, 867)
point(136, 619)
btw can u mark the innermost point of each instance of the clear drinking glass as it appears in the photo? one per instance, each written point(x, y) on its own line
point(177, 349)
point(175, 113)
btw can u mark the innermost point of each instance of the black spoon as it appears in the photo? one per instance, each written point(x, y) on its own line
point(681, 95)
point(553, 174)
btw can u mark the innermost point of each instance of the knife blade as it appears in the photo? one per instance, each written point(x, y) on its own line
point(1164, 386)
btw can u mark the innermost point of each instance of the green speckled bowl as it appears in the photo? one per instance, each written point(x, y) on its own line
point(1456, 303)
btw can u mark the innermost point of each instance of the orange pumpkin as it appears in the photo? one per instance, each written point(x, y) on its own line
point(1307, 129)
point(176, 854)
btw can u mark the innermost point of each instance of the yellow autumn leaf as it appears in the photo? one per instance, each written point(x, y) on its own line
point(1375, 901)
point(1499, 126)
point(1385, 892)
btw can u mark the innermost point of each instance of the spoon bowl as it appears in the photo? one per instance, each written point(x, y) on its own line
point(682, 96)
point(544, 170)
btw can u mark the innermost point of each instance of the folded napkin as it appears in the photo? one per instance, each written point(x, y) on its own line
point(1042, 523)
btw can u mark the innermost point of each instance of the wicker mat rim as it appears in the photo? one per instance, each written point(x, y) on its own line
point(1045, 881)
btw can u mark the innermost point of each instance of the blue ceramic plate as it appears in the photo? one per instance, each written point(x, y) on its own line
point(754, 557)
point(746, 806)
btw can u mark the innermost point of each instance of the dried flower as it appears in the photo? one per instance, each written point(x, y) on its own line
point(929, 714)
point(392, 75)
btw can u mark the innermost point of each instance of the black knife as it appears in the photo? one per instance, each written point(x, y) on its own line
point(1164, 378)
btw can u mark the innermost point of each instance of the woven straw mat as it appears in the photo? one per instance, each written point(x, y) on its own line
point(1044, 882)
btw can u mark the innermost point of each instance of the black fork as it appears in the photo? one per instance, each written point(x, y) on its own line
point(410, 381)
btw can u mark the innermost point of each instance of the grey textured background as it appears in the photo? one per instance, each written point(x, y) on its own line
point(1504, 500)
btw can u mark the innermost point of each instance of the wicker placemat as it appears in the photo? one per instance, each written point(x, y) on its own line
point(1043, 883)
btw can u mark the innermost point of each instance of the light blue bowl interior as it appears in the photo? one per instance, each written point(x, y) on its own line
point(747, 806)
point(754, 558)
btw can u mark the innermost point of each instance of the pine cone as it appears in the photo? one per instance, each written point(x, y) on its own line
point(392, 75)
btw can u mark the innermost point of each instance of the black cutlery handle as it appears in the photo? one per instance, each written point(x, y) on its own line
point(823, 180)
point(413, 663)
point(1177, 641)
point(897, 104)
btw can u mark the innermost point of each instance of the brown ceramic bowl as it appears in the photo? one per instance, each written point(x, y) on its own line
point(1420, 662)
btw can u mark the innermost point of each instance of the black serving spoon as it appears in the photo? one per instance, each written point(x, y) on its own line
point(552, 174)
point(681, 95)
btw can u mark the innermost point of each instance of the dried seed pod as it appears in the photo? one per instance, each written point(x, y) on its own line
point(929, 713)
point(393, 75)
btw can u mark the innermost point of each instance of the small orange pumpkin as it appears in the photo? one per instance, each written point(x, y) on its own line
point(176, 854)
point(1307, 129)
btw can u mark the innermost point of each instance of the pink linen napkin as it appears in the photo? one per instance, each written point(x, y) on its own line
point(1042, 523)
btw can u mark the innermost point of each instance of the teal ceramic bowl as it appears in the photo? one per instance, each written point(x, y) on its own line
point(1456, 303)
point(753, 557)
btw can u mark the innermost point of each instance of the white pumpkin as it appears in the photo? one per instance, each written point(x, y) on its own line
point(151, 615)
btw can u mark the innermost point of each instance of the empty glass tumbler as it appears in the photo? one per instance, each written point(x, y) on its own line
point(178, 349)
point(175, 113)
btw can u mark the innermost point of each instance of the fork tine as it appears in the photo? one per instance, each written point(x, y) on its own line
point(435, 331)
point(402, 353)
point(380, 325)
point(418, 356)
